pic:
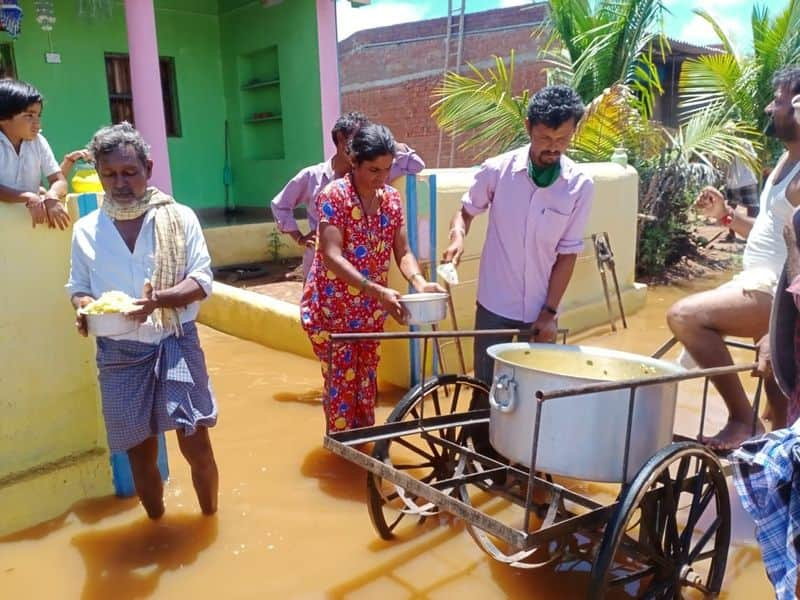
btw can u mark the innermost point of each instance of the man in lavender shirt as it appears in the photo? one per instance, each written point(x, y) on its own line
point(540, 202)
point(308, 183)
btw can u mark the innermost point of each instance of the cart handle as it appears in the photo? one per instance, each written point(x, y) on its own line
point(504, 385)
point(405, 335)
point(609, 386)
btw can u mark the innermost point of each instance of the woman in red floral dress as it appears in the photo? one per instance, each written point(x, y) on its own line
point(361, 225)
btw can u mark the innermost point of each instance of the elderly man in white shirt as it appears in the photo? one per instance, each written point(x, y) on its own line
point(153, 379)
point(26, 158)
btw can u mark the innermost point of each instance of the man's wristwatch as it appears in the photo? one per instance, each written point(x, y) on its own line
point(550, 309)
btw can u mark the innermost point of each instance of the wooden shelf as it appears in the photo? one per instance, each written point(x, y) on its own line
point(260, 84)
point(262, 119)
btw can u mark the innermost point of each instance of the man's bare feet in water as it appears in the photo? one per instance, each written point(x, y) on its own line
point(732, 435)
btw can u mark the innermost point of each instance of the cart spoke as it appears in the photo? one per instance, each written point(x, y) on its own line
point(454, 401)
point(671, 537)
point(435, 397)
point(699, 505)
point(631, 577)
point(397, 520)
point(712, 529)
point(413, 448)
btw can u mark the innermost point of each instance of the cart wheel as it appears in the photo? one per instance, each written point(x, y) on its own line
point(671, 530)
point(416, 454)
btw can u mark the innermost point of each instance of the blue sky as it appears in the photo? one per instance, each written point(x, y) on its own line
point(682, 24)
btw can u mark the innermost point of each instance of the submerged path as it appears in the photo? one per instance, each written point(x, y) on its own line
point(292, 520)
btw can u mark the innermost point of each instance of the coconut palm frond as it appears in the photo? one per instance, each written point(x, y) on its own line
point(482, 107)
point(612, 120)
point(704, 136)
point(713, 79)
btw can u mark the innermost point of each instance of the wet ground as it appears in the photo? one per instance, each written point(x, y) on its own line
point(293, 521)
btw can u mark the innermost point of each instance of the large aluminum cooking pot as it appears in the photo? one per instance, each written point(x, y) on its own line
point(579, 436)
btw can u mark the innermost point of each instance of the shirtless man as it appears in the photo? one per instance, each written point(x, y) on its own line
point(741, 307)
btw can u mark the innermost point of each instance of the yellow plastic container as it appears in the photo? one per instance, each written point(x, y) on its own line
point(86, 180)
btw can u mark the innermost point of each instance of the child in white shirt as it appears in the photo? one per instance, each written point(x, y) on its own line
point(26, 157)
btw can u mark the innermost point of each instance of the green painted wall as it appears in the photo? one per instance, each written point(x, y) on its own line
point(76, 100)
point(262, 43)
point(216, 45)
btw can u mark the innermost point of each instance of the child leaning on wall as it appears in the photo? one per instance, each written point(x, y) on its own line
point(26, 158)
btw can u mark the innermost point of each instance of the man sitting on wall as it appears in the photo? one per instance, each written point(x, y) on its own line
point(741, 307)
point(308, 183)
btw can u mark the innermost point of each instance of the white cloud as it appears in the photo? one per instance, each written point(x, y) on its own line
point(698, 31)
point(349, 19)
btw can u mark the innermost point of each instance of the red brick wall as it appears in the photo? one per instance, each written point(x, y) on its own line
point(392, 82)
point(406, 109)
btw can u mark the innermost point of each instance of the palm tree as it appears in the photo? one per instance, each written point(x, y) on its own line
point(605, 53)
point(737, 84)
point(592, 49)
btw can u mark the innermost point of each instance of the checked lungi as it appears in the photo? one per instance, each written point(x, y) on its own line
point(767, 476)
point(148, 389)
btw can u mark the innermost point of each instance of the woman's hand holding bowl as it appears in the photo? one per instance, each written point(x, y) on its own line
point(390, 302)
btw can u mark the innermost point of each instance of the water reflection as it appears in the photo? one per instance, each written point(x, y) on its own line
point(89, 512)
point(337, 477)
point(127, 561)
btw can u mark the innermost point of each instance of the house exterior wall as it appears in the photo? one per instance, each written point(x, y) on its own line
point(291, 29)
point(204, 37)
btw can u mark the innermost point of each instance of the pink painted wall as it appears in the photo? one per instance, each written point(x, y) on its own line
point(148, 107)
point(329, 70)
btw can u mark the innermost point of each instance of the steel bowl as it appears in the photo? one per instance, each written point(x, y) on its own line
point(424, 308)
point(109, 324)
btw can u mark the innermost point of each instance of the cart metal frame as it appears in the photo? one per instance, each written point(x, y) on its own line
point(683, 467)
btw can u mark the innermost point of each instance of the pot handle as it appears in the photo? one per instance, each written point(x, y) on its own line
point(503, 395)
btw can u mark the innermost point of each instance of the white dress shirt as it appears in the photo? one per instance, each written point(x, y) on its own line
point(101, 262)
point(25, 171)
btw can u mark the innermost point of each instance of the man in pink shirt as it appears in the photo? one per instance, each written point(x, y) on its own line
point(540, 201)
point(308, 183)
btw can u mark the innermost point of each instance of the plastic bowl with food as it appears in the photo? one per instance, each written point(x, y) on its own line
point(108, 324)
point(424, 308)
point(106, 315)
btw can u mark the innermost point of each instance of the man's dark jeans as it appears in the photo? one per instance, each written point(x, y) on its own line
point(483, 365)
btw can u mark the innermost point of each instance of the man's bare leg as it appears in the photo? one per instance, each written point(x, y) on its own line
point(777, 404)
point(196, 448)
point(147, 477)
point(700, 322)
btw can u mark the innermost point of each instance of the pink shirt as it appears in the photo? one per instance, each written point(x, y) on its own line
point(308, 183)
point(528, 228)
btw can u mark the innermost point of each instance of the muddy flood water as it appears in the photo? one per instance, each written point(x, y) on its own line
point(293, 521)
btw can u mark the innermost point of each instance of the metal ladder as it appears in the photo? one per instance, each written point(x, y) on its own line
point(453, 50)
